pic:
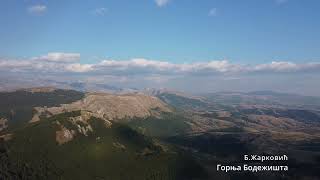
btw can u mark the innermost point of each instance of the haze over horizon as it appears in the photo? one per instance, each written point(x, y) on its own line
point(206, 46)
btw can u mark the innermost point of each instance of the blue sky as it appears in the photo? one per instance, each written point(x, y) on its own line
point(247, 31)
point(204, 45)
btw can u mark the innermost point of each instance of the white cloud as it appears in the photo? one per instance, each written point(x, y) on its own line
point(163, 66)
point(280, 66)
point(140, 62)
point(79, 67)
point(162, 3)
point(286, 67)
point(59, 57)
point(212, 67)
point(213, 12)
point(100, 11)
point(37, 9)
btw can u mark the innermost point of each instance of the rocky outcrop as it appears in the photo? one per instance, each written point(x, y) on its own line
point(81, 126)
point(110, 106)
point(64, 135)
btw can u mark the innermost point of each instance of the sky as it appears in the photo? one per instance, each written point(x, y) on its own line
point(205, 45)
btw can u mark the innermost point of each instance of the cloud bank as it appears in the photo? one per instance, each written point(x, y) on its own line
point(59, 62)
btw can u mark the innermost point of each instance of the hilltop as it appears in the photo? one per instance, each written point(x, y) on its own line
point(112, 107)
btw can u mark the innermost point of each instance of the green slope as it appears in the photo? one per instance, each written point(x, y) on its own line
point(18, 106)
point(169, 124)
point(107, 153)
